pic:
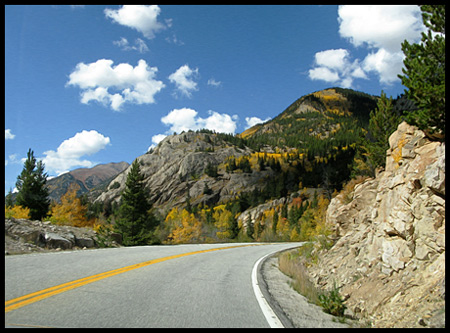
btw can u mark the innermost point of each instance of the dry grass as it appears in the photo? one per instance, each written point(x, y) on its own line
point(295, 269)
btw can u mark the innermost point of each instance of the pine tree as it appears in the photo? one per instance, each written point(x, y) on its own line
point(424, 74)
point(8, 200)
point(135, 221)
point(383, 122)
point(33, 193)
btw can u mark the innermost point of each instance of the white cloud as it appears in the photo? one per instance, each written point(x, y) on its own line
point(143, 18)
point(9, 135)
point(186, 119)
point(380, 26)
point(252, 121)
point(183, 78)
point(181, 120)
point(69, 153)
point(139, 45)
point(135, 85)
point(156, 139)
point(335, 66)
point(323, 73)
point(334, 59)
point(219, 122)
point(214, 83)
point(387, 65)
point(380, 29)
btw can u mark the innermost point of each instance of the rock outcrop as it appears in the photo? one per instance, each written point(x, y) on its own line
point(177, 166)
point(25, 236)
point(389, 255)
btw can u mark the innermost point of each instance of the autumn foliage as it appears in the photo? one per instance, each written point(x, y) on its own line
point(71, 211)
point(17, 212)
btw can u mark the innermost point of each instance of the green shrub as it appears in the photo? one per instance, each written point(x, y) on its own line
point(332, 302)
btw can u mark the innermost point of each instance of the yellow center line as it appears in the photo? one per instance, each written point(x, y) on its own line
point(21, 301)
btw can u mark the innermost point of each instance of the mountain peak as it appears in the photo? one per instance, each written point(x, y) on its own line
point(86, 179)
point(316, 114)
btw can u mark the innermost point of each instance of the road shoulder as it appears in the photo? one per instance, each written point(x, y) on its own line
point(292, 308)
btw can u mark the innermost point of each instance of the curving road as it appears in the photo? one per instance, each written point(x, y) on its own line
point(199, 285)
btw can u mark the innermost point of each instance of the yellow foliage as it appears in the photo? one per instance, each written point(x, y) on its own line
point(71, 211)
point(172, 215)
point(294, 236)
point(224, 222)
point(187, 230)
point(397, 153)
point(249, 132)
point(282, 227)
point(219, 207)
point(17, 212)
point(312, 222)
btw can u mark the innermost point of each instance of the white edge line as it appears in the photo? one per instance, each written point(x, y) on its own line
point(271, 317)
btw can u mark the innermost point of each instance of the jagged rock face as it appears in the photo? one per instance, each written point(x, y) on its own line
point(178, 164)
point(389, 257)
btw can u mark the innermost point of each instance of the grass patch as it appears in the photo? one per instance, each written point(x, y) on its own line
point(289, 264)
point(293, 264)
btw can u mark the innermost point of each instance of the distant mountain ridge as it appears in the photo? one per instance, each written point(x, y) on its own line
point(89, 180)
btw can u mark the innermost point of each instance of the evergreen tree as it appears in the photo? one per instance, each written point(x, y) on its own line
point(135, 222)
point(8, 200)
point(383, 122)
point(424, 74)
point(31, 184)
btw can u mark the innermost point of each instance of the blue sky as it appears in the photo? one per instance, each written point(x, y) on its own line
point(86, 85)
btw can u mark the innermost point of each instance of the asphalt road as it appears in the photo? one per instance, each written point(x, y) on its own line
point(149, 286)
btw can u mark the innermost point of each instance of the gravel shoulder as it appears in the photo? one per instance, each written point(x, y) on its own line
point(293, 309)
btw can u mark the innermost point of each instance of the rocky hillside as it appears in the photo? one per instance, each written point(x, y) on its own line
point(389, 257)
point(177, 171)
point(91, 180)
point(311, 143)
point(328, 115)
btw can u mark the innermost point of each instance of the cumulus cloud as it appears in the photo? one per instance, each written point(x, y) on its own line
point(69, 153)
point(139, 45)
point(186, 119)
point(335, 66)
point(252, 121)
point(9, 135)
point(379, 26)
point(143, 18)
point(386, 64)
point(114, 85)
point(380, 30)
point(183, 78)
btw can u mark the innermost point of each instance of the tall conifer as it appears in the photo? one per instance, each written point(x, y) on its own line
point(31, 184)
point(136, 223)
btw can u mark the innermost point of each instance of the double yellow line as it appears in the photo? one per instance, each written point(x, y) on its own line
point(19, 302)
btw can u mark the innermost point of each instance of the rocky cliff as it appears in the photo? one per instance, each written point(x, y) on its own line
point(389, 255)
point(177, 170)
